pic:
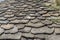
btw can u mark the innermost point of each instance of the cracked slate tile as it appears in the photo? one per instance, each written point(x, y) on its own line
point(7, 26)
point(42, 30)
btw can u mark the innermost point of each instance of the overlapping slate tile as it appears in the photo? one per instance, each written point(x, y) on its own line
point(19, 21)
point(7, 26)
point(47, 22)
point(26, 29)
point(1, 30)
point(28, 35)
point(42, 30)
point(12, 31)
point(57, 30)
point(20, 26)
point(11, 36)
point(39, 24)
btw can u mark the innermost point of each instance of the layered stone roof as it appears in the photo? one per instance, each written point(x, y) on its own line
point(29, 20)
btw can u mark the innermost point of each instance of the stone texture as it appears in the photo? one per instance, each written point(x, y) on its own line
point(28, 35)
point(4, 22)
point(57, 30)
point(42, 30)
point(27, 29)
point(47, 22)
point(29, 20)
point(7, 26)
point(19, 21)
point(1, 30)
point(20, 26)
point(11, 36)
point(14, 30)
point(35, 25)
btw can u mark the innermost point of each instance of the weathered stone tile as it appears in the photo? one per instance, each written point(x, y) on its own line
point(3, 22)
point(41, 18)
point(55, 25)
point(42, 30)
point(35, 20)
point(22, 38)
point(29, 17)
point(10, 19)
point(42, 12)
point(34, 14)
point(14, 21)
point(46, 15)
point(8, 16)
point(37, 39)
point(27, 29)
point(40, 36)
point(57, 30)
point(53, 37)
point(20, 26)
point(20, 14)
point(11, 36)
point(39, 24)
point(19, 21)
point(2, 18)
point(7, 26)
point(1, 30)
point(56, 14)
point(47, 22)
point(13, 30)
point(28, 35)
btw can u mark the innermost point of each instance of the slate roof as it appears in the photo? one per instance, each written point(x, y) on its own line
point(28, 20)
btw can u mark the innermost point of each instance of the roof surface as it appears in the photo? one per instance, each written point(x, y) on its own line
point(29, 20)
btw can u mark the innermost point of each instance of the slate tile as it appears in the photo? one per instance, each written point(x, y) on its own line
point(1, 30)
point(19, 21)
point(4, 22)
point(39, 24)
point(20, 26)
point(47, 22)
point(42, 30)
point(28, 35)
point(13, 30)
point(57, 30)
point(11, 36)
point(7, 26)
point(27, 29)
